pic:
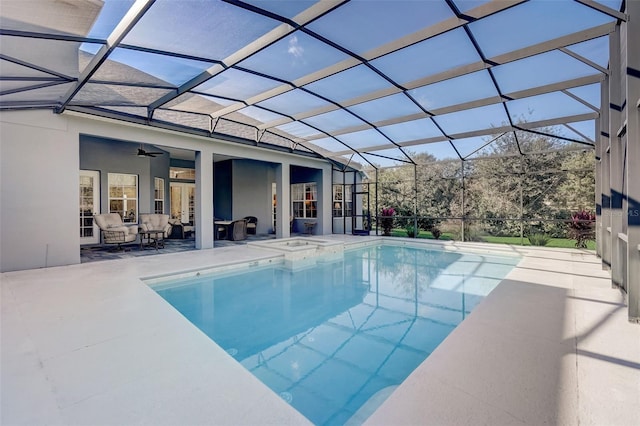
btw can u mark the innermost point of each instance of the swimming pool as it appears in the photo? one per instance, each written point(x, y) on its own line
point(336, 338)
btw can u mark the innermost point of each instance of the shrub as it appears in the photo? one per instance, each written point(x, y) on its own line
point(436, 232)
point(538, 239)
point(387, 220)
point(411, 231)
point(581, 228)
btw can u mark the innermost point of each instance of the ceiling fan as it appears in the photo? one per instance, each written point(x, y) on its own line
point(143, 153)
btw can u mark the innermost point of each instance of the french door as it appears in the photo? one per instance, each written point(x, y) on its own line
point(89, 205)
point(183, 196)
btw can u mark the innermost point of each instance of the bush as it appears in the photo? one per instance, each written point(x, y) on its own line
point(387, 220)
point(436, 232)
point(538, 239)
point(581, 228)
point(411, 231)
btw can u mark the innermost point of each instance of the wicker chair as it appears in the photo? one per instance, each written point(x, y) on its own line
point(238, 230)
point(114, 231)
point(252, 224)
point(155, 222)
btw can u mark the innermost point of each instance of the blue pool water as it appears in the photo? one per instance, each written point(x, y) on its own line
point(329, 337)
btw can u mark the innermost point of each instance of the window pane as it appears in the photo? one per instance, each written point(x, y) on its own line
point(536, 71)
point(349, 84)
point(361, 26)
point(542, 107)
point(477, 85)
point(293, 57)
point(236, 84)
point(130, 191)
point(411, 130)
point(115, 191)
point(334, 120)
point(337, 192)
point(393, 106)
point(116, 206)
point(337, 209)
point(293, 102)
point(212, 29)
point(441, 53)
point(473, 119)
point(288, 9)
point(520, 26)
point(312, 210)
point(364, 139)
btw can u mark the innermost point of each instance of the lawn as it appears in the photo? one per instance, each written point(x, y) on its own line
point(553, 242)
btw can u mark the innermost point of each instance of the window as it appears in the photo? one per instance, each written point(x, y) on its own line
point(342, 203)
point(304, 197)
point(348, 201)
point(123, 196)
point(180, 173)
point(158, 195)
point(337, 200)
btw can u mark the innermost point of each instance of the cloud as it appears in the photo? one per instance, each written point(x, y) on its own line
point(294, 48)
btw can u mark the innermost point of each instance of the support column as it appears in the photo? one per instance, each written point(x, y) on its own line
point(325, 202)
point(283, 204)
point(598, 177)
point(605, 186)
point(204, 199)
point(632, 75)
point(616, 154)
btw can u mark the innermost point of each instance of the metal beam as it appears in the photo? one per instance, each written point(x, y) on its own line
point(137, 10)
point(479, 12)
point(249, 50)
point(35, 67)
point(584, 60)
point(549, 88)
point(605, 9)
point(490, 131)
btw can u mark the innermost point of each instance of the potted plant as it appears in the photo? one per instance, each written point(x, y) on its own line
point(387, 220)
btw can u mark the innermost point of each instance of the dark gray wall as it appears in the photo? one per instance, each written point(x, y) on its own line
point(222, 190)
point(252, 192)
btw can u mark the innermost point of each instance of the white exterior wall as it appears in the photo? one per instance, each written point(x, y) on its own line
point(39, 172)
point(39, 159)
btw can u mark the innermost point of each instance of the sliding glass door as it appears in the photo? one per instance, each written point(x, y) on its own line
point(89, 205)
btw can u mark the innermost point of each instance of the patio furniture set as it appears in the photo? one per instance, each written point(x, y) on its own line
point(154, 228)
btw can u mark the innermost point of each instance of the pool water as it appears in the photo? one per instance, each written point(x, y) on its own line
point(335, 339)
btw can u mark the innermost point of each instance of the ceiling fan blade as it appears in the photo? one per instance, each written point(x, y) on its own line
point(143, 153)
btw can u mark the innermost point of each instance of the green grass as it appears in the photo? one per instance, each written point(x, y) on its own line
point(553, 242)
point(423, 234)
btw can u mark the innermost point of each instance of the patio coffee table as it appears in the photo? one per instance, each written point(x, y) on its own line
point(155, 238)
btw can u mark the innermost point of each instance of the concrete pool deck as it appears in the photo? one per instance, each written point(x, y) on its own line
point(92, 344)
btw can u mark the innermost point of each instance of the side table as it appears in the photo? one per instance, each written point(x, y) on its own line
point(154, 238)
